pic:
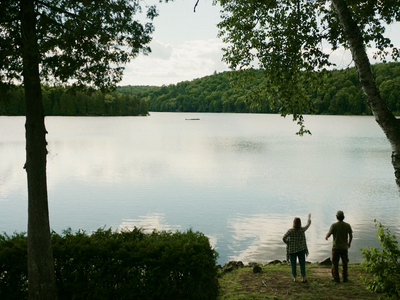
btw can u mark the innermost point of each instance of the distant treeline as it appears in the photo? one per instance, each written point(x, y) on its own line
point(339, 95)
point(60, 101)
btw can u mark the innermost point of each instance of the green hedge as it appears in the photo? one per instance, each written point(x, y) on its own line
point(118, 265)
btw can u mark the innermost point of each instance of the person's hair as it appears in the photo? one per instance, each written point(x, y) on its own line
point(340, 218)
point(296, 223)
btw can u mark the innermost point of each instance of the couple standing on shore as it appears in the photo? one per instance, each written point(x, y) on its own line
point(295, 240)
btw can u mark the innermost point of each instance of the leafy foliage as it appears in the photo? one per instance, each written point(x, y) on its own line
point(87, 41)
point(13, 268)
point(287, 39)
point(383, 264)
point(118, 265)
point(83, 42)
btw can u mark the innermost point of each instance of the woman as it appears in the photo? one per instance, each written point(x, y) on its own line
point(296, 246)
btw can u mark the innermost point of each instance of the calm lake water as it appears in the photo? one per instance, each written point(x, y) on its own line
point(238, 178)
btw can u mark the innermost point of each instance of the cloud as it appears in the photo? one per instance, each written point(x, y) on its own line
point(172, 64)
point(160, 50)
point(156, 221)
point(149, 222)
point(343, 59)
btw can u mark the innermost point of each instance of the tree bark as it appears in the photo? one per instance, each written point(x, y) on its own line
point(41, 276)
point(383, 116)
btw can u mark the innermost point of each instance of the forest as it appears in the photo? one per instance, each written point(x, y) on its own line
point(339, 94)
point(61, 101)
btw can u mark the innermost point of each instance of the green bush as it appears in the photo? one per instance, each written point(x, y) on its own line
point(13, 266)
point(383, 264)
point(118, 265)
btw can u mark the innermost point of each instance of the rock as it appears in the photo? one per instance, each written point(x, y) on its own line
point(228, 269)
point(274, 262)
point(235, 264)
point(239, 264)
point(252, 264)
point(326, 262)
point(230, 266)
point(256, 269)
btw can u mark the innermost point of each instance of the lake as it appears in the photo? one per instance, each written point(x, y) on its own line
point(238, 178)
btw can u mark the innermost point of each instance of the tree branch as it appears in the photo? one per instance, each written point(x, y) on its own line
point(9, 20)
point(197, 2)
point(55, 8)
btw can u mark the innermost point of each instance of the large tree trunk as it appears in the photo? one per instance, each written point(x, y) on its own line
point(383, 116)
point(41, 274)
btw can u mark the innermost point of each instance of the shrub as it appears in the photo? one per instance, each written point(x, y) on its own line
point(13, 266)
point(118, 265)
point(383, 264)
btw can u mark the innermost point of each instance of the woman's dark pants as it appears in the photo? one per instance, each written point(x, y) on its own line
point(302, 262)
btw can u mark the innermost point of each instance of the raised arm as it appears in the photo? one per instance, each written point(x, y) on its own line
point(308, 223)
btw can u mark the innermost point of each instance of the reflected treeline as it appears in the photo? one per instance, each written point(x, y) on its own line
point(59, 101)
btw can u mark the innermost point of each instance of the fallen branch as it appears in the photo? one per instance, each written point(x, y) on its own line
point(264, 283)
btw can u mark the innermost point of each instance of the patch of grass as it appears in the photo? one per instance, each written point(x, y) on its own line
point(276, 282)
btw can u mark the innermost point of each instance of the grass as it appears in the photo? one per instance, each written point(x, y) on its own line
point(276, 282)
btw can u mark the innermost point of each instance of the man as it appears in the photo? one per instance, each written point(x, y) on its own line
point(342, 237)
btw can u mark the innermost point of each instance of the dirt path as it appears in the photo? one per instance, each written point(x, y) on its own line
point(321, 272)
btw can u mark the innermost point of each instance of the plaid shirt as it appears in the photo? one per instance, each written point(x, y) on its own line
point(295, 239)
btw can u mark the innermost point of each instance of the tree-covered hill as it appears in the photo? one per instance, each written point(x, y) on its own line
point(340, 94)
point(60, 101)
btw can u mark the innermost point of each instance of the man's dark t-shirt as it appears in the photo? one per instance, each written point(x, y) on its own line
point(340, 232)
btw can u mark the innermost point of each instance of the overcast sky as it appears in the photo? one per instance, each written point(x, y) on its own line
point(185, 45)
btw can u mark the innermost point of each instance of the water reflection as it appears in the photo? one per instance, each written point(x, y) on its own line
point(239, 179)
point(156, 221)
point(234, 144)
point(11, 166)
point(150, 222)
point(258, 238)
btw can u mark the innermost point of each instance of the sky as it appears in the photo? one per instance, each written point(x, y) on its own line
point(185, 45)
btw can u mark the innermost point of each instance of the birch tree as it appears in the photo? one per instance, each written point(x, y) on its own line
point(293, 40)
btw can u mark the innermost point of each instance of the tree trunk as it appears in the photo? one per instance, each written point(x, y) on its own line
point(41, 276)
point(383, 116)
